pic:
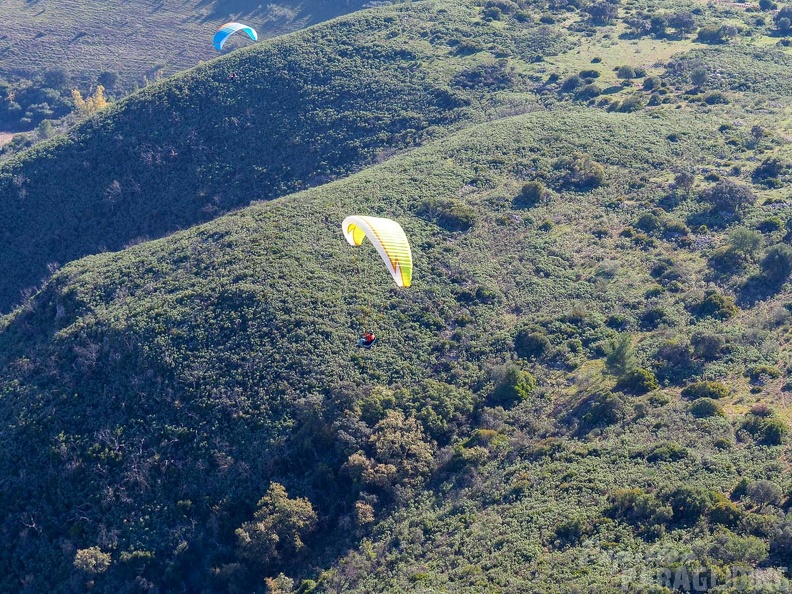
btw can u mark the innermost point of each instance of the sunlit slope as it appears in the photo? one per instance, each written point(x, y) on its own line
point(265, 121)
point(150, 396)
point(136, 39)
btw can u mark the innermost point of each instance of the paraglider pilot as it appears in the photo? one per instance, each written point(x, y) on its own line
point(367, 340)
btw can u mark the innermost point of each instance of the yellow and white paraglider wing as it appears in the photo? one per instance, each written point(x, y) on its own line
point(389, 239)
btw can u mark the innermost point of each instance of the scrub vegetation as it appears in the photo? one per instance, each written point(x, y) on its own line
point(584, 389)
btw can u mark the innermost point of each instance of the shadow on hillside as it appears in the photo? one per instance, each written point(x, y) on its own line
point(314, 11)
point(754, 290)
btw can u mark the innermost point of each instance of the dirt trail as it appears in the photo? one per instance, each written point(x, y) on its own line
point(5, 138)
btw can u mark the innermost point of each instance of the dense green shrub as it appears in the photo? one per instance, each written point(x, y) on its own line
point(658, 24)
point(777, 265)
point(715, 98)
point(682, 21)
point(495, 76)
point(766, 430)
point(764, 492)
point(706, 407)
point(729, 197)
point(769, 171)
point(727, 548)
point(716, 305)
point(770, 225)
point(666, 452)
point(530, 344)
point(638, 381)
point(725, 513)
point(288, 520)
point(651, 83)
point(570, 531)
point(587, 92)
point(581, 172)
point(512, 386)
point(451, 215)
point(531, 194)
point(619, 355)
point(744, 242)
point(708, 390)
point(762, 373)
point(711, 35)
point(601, 410)
point(571, 83)
point(690, 503)
point(638, 508)
point(652, 317)
point(602, 12)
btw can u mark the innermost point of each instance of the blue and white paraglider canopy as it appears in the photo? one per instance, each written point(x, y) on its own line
point(228, 30)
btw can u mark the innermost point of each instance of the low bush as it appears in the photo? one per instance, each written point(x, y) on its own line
point(708, 390)
point(706, 407)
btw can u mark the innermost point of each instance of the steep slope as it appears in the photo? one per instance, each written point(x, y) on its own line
point(258, 124)
point(150, 397)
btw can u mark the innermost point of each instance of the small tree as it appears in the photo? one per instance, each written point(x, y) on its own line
point(531, 345)
point(711, 35)
point(706, 345)
point(90, 105)
point(108, 79)
point(602, 13)
point(684, 180)
point(56, 78)
point(45, 129)
point(784, 13)
point(729, 197)
point(698, 77)
point(745, 242)
point(620, 357)
point(705, 390)
point(764, 493)
point(278, 527)
point(400, 442)
point(716, 305)
point(92, 560)
point(683, 22)
point(582, 172)
point(658, 25)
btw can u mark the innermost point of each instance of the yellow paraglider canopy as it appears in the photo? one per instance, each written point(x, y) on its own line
point(389, 239)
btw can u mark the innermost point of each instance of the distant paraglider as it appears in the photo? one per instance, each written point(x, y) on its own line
point(228, 30)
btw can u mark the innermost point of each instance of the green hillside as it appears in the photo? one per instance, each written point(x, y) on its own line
point(300, 110)
point(159, 390)
point(584, 390)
